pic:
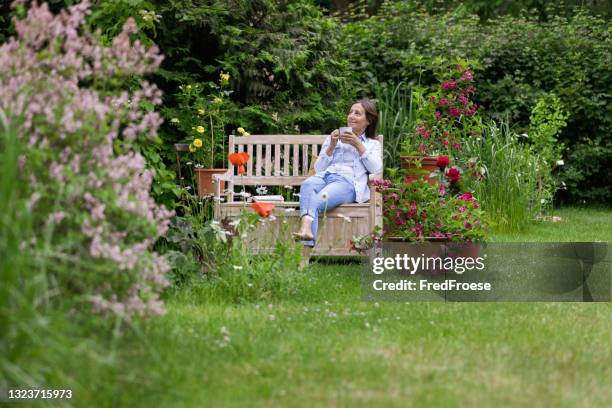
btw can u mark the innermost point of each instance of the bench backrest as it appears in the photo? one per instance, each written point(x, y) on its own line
point(276, 160)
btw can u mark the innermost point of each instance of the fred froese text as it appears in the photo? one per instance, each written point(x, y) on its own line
point(424, 284)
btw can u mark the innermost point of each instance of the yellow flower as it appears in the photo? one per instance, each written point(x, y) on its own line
point(189, 87)
point(192, 148)
point(224, 76)
point(200, 129)
point(197, 142)
point(200, 112)
point(217, 100)
point(246, 134)
point(241, 130)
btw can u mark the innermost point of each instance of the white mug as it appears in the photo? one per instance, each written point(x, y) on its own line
point(345, 129)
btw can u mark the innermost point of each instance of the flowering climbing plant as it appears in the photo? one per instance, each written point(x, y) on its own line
point(446, 116)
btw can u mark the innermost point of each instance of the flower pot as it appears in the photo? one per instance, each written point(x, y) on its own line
point(431, 247)
point(205, 181)
point(427, 166)
point(464, 249)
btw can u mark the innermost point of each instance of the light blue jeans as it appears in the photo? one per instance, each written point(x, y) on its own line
point(339, 191)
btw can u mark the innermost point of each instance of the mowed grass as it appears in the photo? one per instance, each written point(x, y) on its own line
point(576, 224)
point(325, 347)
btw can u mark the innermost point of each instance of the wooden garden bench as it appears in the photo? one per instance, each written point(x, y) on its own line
point(287, 160)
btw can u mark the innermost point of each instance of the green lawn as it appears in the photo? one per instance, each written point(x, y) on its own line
point(576, 225)
point(325, 347)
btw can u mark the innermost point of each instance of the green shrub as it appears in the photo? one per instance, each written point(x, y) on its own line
point(588, 164)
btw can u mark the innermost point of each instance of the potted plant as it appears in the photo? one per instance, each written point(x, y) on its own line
point(443, 120)
point(201, 116)
point(416, 211)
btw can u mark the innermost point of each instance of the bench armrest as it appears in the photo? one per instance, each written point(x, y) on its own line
point(216, 178)
point(225, 176)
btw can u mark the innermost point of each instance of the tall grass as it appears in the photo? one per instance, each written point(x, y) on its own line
point(22, 288)
point(45, 341)
point(509, 192)
point(397, 117)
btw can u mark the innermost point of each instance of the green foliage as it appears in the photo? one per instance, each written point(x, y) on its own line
point(281, 58)
point(588, 163)
point(521, 60)
point(546, 122)
point(396, 118)
point(216, 257)
point(509, 188)
point(490, 9)
point(200, 117)
point(110, 16)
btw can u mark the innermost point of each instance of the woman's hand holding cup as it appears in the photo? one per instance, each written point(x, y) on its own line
point(335, 136)
point(347, 136)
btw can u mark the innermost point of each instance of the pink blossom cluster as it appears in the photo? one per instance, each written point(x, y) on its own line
point(456, 100)
point(64, 89)
point(445, 115)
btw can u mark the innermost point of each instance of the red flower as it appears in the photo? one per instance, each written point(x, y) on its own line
point(454, 112)
point(467, 196)
point(446, 85)
point(239, 160)
point(453, 174)
point(442, 162)
point(263, 209)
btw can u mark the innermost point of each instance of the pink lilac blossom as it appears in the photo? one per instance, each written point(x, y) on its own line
point(42, 70)
point(467, 76)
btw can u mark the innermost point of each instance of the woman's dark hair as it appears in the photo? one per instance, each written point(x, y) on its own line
point(371, 115)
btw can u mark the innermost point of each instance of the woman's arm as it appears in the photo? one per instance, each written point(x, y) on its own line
point(372, 157)
point(327, 152)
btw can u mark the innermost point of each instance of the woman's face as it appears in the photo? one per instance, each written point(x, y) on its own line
point(357, 119)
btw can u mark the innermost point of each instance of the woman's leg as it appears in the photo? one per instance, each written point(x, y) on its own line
point(337, 191)
point(308, 190)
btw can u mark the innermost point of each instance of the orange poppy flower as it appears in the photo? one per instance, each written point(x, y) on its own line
point(239, 160)
point(263, 209)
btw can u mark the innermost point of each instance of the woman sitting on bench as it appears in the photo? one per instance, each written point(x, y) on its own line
point(347, 156)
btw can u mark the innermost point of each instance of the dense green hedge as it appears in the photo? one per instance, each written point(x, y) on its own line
point(521, 59)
